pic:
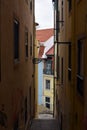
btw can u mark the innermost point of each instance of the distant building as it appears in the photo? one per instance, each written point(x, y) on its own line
point(43, 37)
point(48, 79)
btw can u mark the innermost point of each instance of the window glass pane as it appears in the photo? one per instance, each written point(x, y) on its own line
point(62, 70)
point(47, 84)
point(47, 99)
point(16, 39)
point(48, 105)
point(26, 42)
point(80, 67)
point(30, 45)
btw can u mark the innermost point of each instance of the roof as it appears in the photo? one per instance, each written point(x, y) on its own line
point(48, 44)
point(50, 51)
point(44, 34)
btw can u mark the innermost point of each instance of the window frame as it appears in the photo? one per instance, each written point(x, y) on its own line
point(69, 5)
point(62, 12)
point(16, 39)
point(47, 99)
point(69, 62)
point(31, 5)
point(47, 87)
point(62, 70)
point(31, 47)
point(26, 43)
point(80, 67)
point(47, 103)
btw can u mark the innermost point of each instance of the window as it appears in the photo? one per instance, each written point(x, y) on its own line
point(47, 99)
point(80, 67)
point(48, 105)
point(30, 95)
point(30, 45)
point(48, 67)
point(25, 110)
point(31, 5)
point(47, 84)
point(69, 62)
point(26, 43)
point(62, 70)
point(57, 64)
point(16, 39)
point(57, 26)
point(47, 102)
point(62, 12)
point(70, 5)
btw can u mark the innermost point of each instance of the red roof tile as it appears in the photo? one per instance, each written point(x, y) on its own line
point(44, 34)
point(50, 51)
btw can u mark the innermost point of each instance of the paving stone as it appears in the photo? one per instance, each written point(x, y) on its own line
point(44, 124)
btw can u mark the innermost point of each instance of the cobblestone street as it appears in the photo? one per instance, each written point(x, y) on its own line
point(44, 124)
point(45, 116)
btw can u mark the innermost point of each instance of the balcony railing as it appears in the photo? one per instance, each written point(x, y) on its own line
point(48, 72)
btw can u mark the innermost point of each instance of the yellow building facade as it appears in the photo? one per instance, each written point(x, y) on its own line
point(70, 64)
point(17, 98)
point(48, 91)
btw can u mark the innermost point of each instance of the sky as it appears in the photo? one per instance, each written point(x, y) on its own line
point(44, 13)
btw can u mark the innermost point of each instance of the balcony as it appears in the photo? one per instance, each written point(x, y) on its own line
point(48, 72)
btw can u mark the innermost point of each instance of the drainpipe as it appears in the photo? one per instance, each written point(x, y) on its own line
point(56, 28)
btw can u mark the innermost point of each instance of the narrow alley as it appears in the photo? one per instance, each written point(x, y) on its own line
point(44, 124)
point(43, 69)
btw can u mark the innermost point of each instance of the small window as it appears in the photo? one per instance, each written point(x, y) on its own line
point(16, 39)
point(47, 84)
point(80, 67)
point(31, 5)
point(48, 105)
point(58, 67)
point(30, 45)
point(62, 71)
point(26, 42)
point(69, 62)
point(70, 5)
point(49, 67)
point(47, 99)
point(25, 110)
point(62, 11)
